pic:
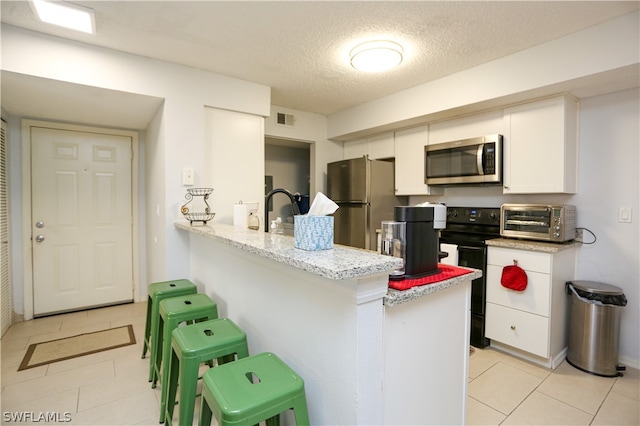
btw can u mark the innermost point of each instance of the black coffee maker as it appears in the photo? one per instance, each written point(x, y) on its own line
point(423, 224)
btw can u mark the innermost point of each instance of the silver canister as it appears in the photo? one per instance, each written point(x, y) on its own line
point(393, 243)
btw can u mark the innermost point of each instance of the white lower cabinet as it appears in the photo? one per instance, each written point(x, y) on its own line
point(532, 323)
point(519, 329)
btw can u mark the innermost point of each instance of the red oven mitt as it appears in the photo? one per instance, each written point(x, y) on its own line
point(514, 277)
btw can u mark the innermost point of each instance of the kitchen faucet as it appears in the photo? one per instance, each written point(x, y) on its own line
point(294, 206)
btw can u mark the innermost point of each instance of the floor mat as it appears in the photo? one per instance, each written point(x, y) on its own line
point(72, 347)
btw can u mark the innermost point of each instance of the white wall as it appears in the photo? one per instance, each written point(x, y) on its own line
point(154, 237)
point(234, 167)
point(608, 180)
point(175, 138)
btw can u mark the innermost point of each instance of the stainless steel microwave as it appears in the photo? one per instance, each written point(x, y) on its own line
point(538, 222)
point(467, 161)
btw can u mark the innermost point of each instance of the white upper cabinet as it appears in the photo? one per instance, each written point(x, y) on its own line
point(540, 147)
point(356, 149)
point(409, 152)
point(472, 126)
point(375, 147)
point(381, 146)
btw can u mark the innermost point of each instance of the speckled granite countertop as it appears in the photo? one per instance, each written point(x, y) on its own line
point(339, 263)
point(531, 245)
point(398, 297)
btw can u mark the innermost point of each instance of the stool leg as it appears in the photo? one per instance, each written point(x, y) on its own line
point(156, 354)
point(226, 358)
point(156, 341)
point(205, 412)
point(274, 421)
point(300, 410)
point(188, 387)
point(169, 386)
point(147, 329)
point(165, 351)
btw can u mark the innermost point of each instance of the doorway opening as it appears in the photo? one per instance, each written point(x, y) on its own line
point(287, 164)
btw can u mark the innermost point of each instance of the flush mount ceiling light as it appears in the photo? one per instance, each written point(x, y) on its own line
point(65, 15)
point(376, 56)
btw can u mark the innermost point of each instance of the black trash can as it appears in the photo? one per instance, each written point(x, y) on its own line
point(594, 327)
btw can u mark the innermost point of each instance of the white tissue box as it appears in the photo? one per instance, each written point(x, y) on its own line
point(313, 232)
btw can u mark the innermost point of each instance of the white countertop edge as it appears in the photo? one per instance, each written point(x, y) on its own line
point(540, 246)
point(339, 263)
point(397, 297)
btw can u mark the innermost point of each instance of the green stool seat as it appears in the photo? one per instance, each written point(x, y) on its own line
point(193, 345)
point(173, 312)
point(157, 292)
point(251, 390)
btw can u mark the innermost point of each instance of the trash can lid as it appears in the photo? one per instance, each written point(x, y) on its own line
point(596, 287)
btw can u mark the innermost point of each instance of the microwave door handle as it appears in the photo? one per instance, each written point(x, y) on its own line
point(479, 159)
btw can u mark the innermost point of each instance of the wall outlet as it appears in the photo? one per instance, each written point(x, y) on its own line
point(579, 234)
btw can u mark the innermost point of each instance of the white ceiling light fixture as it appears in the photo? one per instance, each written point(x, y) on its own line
point(64, 14)
point(376, 56)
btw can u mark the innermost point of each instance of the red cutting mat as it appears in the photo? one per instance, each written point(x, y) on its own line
point(446, 272)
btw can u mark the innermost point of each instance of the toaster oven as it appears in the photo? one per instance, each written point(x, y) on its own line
point(538, 222)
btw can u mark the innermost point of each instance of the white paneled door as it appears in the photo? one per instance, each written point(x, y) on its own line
point(81, 219)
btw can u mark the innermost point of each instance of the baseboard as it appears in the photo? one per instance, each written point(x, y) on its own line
point(629, 363)
point(544, 362)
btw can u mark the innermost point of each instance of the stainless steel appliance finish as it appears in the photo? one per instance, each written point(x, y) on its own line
point(365, 193)
point(468, 161)
point(538, 222)
point(422, 245)
point(468, 228)
point(594, 328)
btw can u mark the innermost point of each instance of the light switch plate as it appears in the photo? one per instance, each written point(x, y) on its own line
point(624, 215)
point(187, 177)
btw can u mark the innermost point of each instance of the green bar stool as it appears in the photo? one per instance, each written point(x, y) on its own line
point(157, 292)
point(173, 312)
point(251, 390)
point(193, 345)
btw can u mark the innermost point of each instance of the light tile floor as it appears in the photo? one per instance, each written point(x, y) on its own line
point(111, 387)
point(504, 390)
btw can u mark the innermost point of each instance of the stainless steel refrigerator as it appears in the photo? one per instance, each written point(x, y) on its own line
point(365, 191)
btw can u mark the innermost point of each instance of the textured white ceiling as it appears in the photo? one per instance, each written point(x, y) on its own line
point(300, 48)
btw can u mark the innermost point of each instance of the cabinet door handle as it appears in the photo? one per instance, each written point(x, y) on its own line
point(513, 327)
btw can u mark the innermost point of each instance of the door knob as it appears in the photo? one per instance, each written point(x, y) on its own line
point(40, 238)
point(40, 224)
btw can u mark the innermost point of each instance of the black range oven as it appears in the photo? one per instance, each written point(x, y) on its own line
point(468, 228)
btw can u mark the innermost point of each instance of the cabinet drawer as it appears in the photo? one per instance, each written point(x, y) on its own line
point(521, 330)
point(527, 260)
point(534, 299)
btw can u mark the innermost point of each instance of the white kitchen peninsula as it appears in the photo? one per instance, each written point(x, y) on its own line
point(368, 354)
